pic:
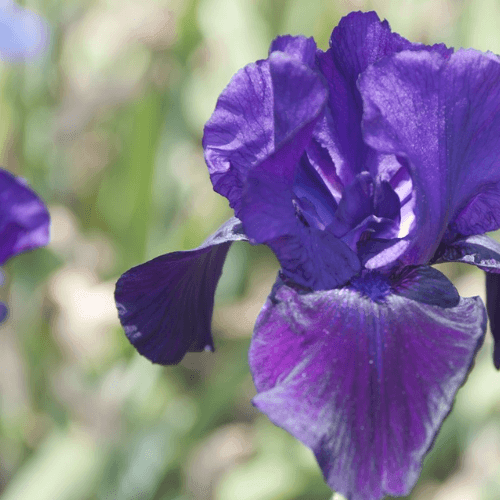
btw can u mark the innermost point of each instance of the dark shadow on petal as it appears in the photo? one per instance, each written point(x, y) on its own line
point(165, 305)
point(425, 285)
point(493, 307)
point(365, 385)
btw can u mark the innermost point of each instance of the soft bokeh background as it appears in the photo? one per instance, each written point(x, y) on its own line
point(107, 128)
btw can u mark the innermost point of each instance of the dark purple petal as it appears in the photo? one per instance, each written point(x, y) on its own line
point(366, 210)
point(480, 250)
point(442, 115)
point(355, 206)
point(300, 47)
point(359, 40)
point(425, 285)
point(493, 307)
point(372, 228)
point(265, 105)
point(23, 34)
point(24, 219)
point(299, 96)
point(311, 190)
point(310, 257)
point(315, 259)
point(165, 305)
point(269, 212)
point(386, 202)
point(481, 214)
point(365, 384)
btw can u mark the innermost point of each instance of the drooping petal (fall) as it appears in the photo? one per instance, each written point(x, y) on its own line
point(364, 375)
point(165, 305)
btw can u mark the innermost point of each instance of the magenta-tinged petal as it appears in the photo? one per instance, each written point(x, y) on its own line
point(442, 115)
point(364, 383)
point(479, 250)
point(264, 105)
point(165, 305)
point(24, 219)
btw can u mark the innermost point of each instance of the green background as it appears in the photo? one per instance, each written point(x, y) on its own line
point(107, 127)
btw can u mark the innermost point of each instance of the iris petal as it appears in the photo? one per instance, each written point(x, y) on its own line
point(443, 115)
point(310, 257)
point(479, 250)
point(24, 219)
point(300, 47)
point(165, 305)
point(364, 384)
point(359, 40)
point(264, 105)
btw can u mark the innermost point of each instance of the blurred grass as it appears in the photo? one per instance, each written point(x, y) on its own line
point(107, 127)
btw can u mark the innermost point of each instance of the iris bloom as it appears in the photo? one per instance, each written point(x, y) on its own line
point(24, 221)
point(360, 167)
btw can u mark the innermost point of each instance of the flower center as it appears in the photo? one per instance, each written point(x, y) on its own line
point(372, 284)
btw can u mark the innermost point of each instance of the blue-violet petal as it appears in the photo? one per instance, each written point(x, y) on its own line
point(264, 105)
point(24, 219)
point(441, 114)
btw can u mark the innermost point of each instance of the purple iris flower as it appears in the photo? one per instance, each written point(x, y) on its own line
point(359, 167)
point(24, 221)
point(23, 34)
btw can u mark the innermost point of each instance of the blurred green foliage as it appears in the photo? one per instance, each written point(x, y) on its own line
point(107, 127)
